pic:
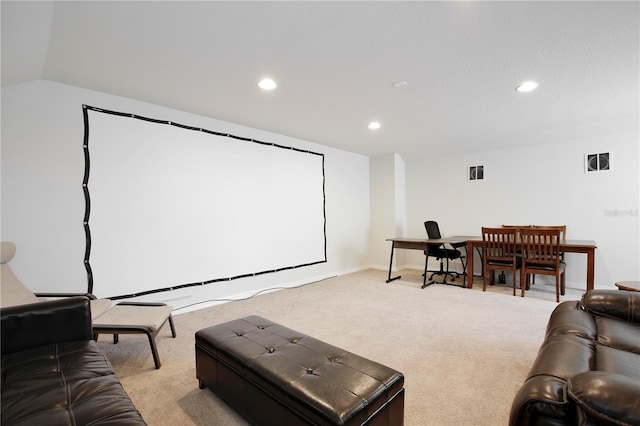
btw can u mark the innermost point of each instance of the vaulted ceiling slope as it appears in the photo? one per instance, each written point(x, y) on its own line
point(335, 64)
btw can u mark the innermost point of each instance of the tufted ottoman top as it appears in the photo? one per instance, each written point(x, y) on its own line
point(290, 365)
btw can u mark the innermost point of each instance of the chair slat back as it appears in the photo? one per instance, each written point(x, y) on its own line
point(541, 246)
point(517, 228)
point(561, 228)
point(499, 244)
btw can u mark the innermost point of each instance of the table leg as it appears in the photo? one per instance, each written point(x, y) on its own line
point(389, 279)
point(470, 267)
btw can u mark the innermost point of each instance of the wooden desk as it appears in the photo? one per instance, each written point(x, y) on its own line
point(569, 246)
point(418, 244)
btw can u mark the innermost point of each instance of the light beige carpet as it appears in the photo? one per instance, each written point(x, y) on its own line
point(464, 353)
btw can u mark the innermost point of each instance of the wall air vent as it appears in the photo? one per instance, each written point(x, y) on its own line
point(476, 173)
point(597, 162)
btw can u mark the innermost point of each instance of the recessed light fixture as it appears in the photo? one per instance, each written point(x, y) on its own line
point(374, 125)
point(527, 86)
point(267, 84)
point(399, 84)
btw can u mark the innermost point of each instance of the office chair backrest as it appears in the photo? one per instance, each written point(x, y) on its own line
point(433, 231)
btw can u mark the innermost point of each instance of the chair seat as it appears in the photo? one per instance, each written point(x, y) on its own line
point(518, 262)
point(544, 268)
point(442, 253)
point(151, 317)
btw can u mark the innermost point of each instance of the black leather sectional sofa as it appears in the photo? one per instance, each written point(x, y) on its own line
point(587, 371)
point(53, 373)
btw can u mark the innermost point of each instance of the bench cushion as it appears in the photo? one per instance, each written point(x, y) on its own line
point(318, 381)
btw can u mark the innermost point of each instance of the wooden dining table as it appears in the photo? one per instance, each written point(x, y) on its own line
point(587, 247)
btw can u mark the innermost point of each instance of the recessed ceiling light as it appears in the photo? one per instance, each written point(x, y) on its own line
point(527, 86)
point(374, 125)
point(399, 84)
point(267, 84)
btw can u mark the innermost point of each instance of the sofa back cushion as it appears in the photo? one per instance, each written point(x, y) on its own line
point(37, 324)
point(621, 304)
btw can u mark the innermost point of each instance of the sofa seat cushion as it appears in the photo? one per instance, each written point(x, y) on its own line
point(69, 383)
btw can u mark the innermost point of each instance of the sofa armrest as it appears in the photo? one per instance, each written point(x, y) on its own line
point(624, 305)
point(37, 324)
point(540, 400)
point(606, 398)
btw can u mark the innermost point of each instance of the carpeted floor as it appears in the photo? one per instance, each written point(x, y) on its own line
point(464, 353)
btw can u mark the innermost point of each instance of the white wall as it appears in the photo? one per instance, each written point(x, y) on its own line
point(43, 205)
point(543, 184)
point(388, 209)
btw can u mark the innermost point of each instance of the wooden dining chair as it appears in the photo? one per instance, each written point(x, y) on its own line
point(563, 239)
point(541, 254)
point(517, 228)
point(500, 253)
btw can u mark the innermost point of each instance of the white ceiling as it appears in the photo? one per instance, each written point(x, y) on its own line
point(335, 63)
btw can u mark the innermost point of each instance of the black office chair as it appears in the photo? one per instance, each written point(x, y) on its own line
point(440, 252)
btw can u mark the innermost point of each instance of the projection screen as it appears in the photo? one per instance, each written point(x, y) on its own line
point(170, 206)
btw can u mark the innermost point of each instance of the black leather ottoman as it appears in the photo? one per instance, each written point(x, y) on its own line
point(273, 375)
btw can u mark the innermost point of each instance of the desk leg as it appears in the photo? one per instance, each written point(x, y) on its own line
point(426, 266)
point(591, 261)
point(389, 279)
point(470, 268)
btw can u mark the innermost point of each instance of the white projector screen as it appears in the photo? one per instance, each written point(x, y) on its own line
point(169, 206)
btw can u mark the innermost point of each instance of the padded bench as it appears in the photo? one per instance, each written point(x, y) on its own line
point(273, 375)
